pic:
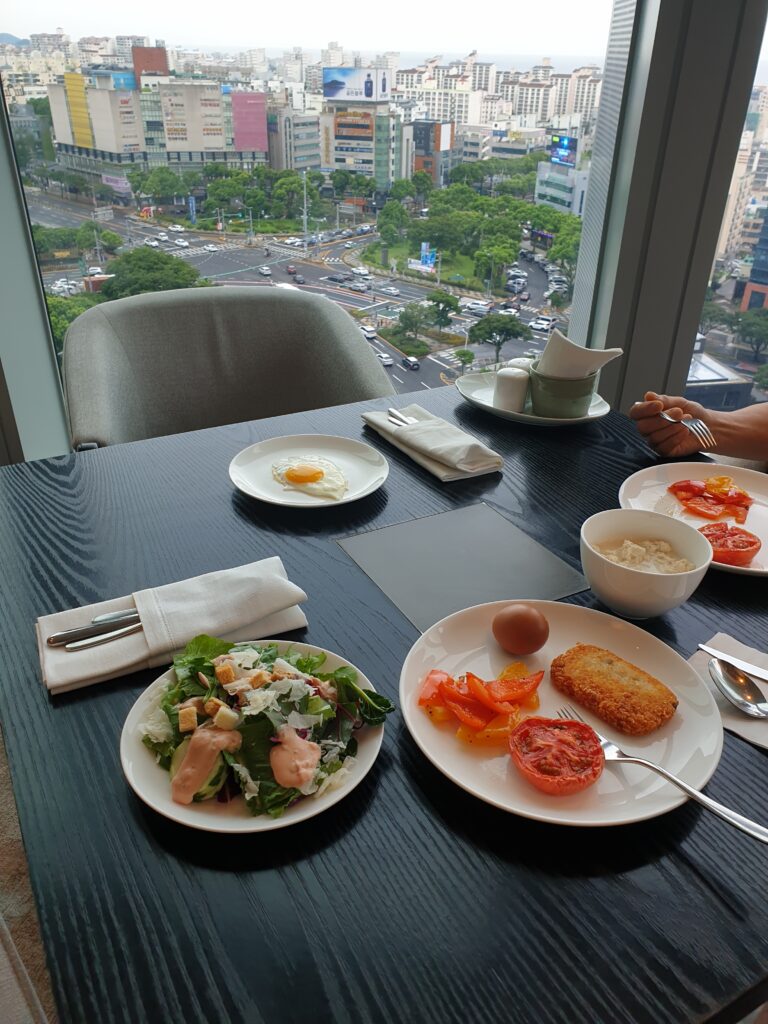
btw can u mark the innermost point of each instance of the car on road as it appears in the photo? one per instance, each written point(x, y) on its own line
point(361, 271)
point(384, 359)
point(182, 242)
point(265, 271)
point(177, 227)
point(542, 323)
point(338, 278)
point(290, 269)
point(347, 233)
point(210, 248)
point(300, 279)
point(369, 333)
point(358, 286)
point(390, 290)
point(153, 242)
point(524, 296)
point(95, 270)
point(507, 312)
point(162, 237)
point(410, 362)
point(349, 245)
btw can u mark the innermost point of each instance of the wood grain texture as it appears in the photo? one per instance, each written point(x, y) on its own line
point(409, 900)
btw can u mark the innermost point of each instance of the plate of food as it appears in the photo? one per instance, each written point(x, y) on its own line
point(477, 389)
point(729, 505)
point(252, 736)
point(308, 470)
point(470, 702)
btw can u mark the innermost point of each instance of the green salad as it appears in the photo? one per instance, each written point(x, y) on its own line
point(245, 719)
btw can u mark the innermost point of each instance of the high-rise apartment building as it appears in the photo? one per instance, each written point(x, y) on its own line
point(124, 47)
point(94, 50)
point(361, 134)
point(50, 43)
point(731, 228)
point(294, 139)
point(332, 56)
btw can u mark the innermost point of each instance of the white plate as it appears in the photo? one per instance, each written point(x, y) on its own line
point(648, 489)
point(477, 389)
point(364, 468)
point(688, 745)
point(152, 784)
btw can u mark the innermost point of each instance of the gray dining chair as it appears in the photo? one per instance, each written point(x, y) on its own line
point(172, 361)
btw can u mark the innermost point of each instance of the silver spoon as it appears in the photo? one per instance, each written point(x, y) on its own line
point(737, 687)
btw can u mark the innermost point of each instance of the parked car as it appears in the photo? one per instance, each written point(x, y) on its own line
point(210, 248)
point(347, 233)
point(410, 363)
point(153, 242)
point(177, 227)
point(290, 269)
point(300, 279)
point(543, 323)
point(95, 270)
point(358, 286)
point(349, 245)
point(524, 296)
point(265, 271)
point(162, 237)
point(384, 359)
point(182, 242)
point(507, 312)
point(361, 271)
point(390, 290)
point(338, 278)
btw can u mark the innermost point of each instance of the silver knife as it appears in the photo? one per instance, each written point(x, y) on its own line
point(745, 666)
point(94, 629)
point(129, 614)
point(103, 638)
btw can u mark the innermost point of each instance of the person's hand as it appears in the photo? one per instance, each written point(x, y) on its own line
point(668, 439)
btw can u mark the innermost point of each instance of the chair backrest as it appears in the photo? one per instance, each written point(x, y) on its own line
point(167, 362)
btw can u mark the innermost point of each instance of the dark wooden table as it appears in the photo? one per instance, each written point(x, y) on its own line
point(409, 900)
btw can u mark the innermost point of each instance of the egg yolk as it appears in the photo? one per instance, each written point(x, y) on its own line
point(304, 474)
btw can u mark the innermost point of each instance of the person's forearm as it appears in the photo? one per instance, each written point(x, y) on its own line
point(742, 433)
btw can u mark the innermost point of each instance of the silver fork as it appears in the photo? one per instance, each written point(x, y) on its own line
point(698, 428)
point(613, 752)
point(400, 418)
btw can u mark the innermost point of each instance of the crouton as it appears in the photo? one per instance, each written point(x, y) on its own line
point(259, 678)
point(187, 719)
point(617, 691)
point(213, 705)
point(225, 673)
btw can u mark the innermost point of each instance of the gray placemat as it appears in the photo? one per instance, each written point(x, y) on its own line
point(440, 564)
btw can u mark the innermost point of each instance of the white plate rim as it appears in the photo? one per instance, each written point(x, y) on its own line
point(369, 739)
point(675, 797)
point(293, 499)
point(598, 408)
point(749, 479)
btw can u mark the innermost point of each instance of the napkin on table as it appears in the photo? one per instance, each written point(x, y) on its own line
point(753, 730)
point(446, 451)
point(562, 358)
point(245, 603)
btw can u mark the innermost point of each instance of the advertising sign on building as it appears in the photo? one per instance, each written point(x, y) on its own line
point(117, 183)
point(361, 85)
point(192, 207)
point(104, 213)
point(562, 150)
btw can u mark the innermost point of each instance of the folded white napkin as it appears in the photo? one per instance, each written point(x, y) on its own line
point(250, 602)
point(446, 451)
point(562, 358)
point(753, 730)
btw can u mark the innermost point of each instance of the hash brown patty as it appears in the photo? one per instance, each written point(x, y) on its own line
point(614, 689)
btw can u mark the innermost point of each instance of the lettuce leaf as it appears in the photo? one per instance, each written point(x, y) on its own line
point(253, 754)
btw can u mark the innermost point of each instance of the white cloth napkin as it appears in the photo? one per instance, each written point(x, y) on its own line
point(250, 602)
point(562, 358)
point(753, 730)
point(443, 449)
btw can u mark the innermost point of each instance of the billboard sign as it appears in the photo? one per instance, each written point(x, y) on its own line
point(192, 207)
point(119, 184)
point(361, 85)
point(562, 150)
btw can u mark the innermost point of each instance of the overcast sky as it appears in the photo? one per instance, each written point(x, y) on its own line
point(572, 27)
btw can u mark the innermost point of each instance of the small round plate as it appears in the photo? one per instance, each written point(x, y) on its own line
point(152, 784)
point(477, 389)
point(648, 489)
point(688, 745)
point(364, 469)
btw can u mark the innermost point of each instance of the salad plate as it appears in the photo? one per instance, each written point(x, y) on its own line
point(477, 389)
point(689, 744)
point(648, 489)
point(362, 469)
point(151, 782)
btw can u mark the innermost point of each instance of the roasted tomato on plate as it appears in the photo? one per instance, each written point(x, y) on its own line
point(714, 498)
point(730, 544)
point(558, 756)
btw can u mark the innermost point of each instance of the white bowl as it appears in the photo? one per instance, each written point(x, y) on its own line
point(637, 593)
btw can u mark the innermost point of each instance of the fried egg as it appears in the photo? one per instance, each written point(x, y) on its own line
point(312, 475)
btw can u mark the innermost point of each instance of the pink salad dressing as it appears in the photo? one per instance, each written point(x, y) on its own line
point(293, 760)
point(204, 746)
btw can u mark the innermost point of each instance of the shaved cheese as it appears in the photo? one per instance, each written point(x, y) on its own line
point(298, 721)
point(156, 724)
point(331, 749)
point(248, 784)
point(337, 778)
point(293, 689)
point(257, 701)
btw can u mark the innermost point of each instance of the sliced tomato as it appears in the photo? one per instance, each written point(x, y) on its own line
point(739, 512)
point(557, 756)
point(691, 487)
point(430, 690)
point(474, 714)
point(531, 703)
point(496, 733)
point(704, 506)
point(724, 488)
point(515, 690)
point(439, 713)
point(730, 544)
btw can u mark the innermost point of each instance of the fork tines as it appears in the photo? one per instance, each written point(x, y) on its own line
point(566, 711)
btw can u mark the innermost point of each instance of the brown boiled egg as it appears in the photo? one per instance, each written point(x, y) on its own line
point(520, 629)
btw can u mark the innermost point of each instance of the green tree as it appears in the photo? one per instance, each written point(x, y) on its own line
point(211, 171)
point(340, 180)
point(288, 197)
point(497, 329)
point(41, 106)
point(48, 240)
point(491, 261)
point(62, 311)
point(565, 248)
point(752, 329)
point(25, 146)
point(413, 319)
point(422, 185)
point(557, 300)
point(713, 314)
point(147, 270)
point(465, 356)
point(444, 304)
point(163, 185)
point(761, 377)
point(110, 240)
point(86, 237)
point(401, 189)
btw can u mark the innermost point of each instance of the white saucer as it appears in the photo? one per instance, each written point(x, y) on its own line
point(477, 389)
point(364, 469)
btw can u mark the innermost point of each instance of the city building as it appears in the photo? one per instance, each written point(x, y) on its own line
point(431, 147)
point(294, 139)
point(473, 142)
point(149, 60)
point(507, 141)
point(714, 384)
point(94, 50)
point(731, 229)
point(124, 48)
point(756, 290)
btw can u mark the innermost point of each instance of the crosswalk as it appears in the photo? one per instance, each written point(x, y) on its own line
point(445, 358)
